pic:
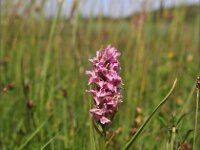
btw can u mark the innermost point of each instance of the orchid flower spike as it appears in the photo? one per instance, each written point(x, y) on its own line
point(106, 85)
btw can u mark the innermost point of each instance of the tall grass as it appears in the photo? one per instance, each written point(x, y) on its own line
point(43, 104)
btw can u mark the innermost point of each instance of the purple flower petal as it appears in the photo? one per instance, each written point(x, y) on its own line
point(104, 120)
point(106, 84)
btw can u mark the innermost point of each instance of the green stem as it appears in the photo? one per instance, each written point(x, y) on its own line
point(34, 133)
point(173, 137)
point(135, 136)
point(103, 143)
point(47, 56)
point(196, 120)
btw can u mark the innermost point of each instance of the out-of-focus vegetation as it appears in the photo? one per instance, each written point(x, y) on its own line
point(43, 103)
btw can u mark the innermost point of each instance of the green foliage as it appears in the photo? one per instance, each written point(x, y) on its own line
point(43, 103)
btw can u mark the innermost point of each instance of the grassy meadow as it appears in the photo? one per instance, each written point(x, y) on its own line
point(43, 99)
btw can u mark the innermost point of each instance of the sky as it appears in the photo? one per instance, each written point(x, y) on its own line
point(107, 8)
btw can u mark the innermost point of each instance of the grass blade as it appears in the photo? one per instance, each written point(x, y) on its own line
point(48, 142)
point(33, 134)
point(133, 139)
point(196, 118)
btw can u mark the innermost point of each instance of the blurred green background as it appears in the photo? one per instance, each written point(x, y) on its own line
point(43, 103)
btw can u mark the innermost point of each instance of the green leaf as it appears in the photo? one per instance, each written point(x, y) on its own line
point(136, 135)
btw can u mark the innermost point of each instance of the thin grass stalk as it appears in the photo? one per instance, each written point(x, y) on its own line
point(188, 100)
point(75, 27)
point(34, 133)
point(47, 56)
point(136, 135)
point(173, 137)
point(196, 120)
